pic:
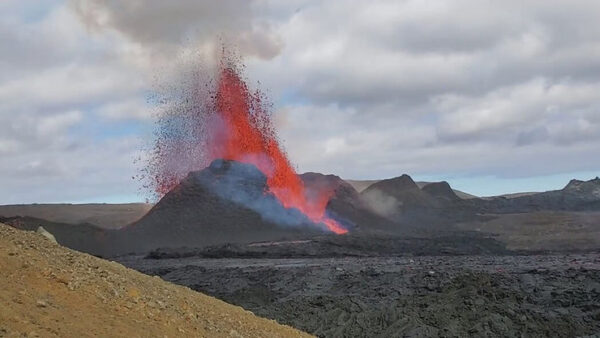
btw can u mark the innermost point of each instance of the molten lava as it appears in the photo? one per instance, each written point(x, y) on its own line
point(229, 122)
point(247, 136)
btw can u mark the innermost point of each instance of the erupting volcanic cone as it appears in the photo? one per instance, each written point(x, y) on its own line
point(237, 126)
point(242, 139)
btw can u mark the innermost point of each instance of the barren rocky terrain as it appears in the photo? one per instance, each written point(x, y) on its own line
point(542, 231)
point(426, 296)
point(50, 291)
point(109, 216)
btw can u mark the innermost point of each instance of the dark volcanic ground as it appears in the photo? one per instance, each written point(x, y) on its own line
point(426, 296)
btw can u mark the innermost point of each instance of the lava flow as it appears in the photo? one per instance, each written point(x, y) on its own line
point(238, 128)
point(247, 136)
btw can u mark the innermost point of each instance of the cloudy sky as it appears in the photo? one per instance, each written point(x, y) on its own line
point(492, 96)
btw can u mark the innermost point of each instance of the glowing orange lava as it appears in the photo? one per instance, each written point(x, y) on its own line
point(246, 135)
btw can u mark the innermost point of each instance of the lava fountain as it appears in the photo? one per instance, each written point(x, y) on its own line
point(233, 124)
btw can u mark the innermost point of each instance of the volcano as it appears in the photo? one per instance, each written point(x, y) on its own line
point(227, 202)
point(230, 202)
point(233, 123)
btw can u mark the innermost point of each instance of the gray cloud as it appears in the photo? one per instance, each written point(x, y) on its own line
point(535, 135)
point(165, 26)
point(406, 51)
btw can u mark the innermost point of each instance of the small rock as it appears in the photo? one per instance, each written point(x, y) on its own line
point(40, 230)
point(562, 311)
point(41, 303)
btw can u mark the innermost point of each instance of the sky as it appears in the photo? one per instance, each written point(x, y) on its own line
point(491, 96)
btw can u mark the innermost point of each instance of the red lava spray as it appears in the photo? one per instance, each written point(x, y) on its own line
point(240, 129)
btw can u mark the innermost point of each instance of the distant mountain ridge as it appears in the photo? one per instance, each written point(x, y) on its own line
point(577, 195)
point(361, 185)
point(109, 216)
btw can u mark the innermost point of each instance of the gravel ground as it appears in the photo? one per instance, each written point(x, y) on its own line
point(427, 296)
point(47, 290)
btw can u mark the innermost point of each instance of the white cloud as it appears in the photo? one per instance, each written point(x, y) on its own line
point(163, 27)
point(508, 110)
point(58, 123)
point(131, 108)
point(67, 85)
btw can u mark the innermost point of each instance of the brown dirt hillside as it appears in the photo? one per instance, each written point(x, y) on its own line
point(47, 290)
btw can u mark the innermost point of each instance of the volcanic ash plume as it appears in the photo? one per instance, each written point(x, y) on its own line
point(222, 119)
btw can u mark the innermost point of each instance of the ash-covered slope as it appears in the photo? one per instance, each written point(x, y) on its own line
point(227, 202)
point(440, 191)
point(348, 207)
point(408, 195)
point(396, 196)
point(340, 189)
point(361, 185)
point(401, 187)
point(432, 208)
